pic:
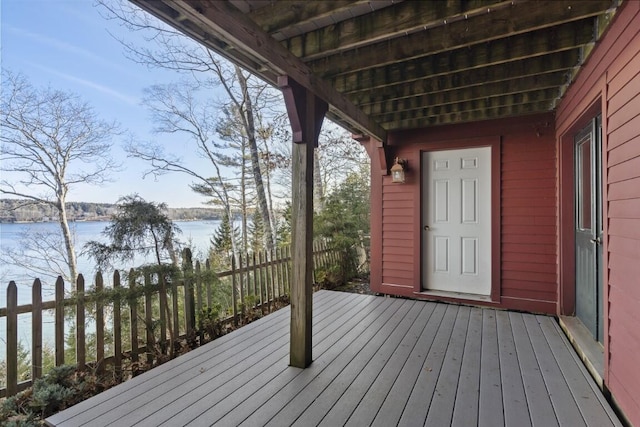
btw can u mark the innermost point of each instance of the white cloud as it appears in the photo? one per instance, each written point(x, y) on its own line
point(63, 46)
point(132, 100)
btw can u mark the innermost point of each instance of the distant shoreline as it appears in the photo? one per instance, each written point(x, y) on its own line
point(15, 211)
point(106, 219)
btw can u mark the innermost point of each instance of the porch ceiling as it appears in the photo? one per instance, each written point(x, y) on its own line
point(386, 65)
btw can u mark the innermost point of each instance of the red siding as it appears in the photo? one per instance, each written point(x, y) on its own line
point(397, 234)
point(526, 241)
point(611, 81)
point(529, 219)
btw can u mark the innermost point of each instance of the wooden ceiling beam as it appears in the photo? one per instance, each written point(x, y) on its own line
point(566, 37)
point(222, 21)
point(556, 62)
point(384, 24)
point(517, 20)
point(285, 14)
point(491, 102)
point(470, 116)
point(480, 92)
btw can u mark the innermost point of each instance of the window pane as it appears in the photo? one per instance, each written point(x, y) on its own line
point(584, 198)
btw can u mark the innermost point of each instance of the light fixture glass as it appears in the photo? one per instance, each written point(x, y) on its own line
point(397, 171)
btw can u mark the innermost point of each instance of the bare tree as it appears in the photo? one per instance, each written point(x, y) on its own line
point(51, 141)
point(170, 49)
point(337, 156)
point(177, 108)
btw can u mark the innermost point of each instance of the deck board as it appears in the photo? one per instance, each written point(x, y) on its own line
point(491, 410)
point(301, 392)
point(541, 410)
point(465, 412)
point(377, 361)
point(514, 399)
point(370, 404)
point(565, 406)
point(394, 403)
point(419, 402)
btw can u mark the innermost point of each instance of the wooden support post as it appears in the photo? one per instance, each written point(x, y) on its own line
point(306, 112)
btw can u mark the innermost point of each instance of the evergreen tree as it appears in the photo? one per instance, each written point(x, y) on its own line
point(223, 239)
point(344, 219)
point(257, 233)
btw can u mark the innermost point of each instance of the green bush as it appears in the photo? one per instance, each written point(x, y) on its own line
point(342, 222)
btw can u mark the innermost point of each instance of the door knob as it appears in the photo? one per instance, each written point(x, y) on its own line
point(426, 227)
point(596, 240)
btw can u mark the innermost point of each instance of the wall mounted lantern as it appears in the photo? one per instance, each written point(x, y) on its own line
point(397, 170)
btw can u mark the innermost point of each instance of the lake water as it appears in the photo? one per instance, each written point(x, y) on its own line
point(196, 234)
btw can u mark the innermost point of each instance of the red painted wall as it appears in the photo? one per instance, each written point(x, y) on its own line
point(610, 83)
point(525, 199)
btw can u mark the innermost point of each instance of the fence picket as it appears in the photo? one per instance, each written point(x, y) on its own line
point(99, 324)
point(12, 339)
point(234, 290)
point(59, 322)
point(256, 287)
point(265, 274)
point(164, 313)
point(263, 289)
point(271, 270)
point(133, 310)
point(36, 329)
point(81, 354)
point(207, 266)
point(174, 306)
point(148, 317)
point(288, 268)
point(241, 274)
point(198, 302)
point(117, 325)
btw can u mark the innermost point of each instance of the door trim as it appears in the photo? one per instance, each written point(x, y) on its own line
point(567, 209)
point(457, 210)
point(591, 314)
point(495, 143)
point(592, 104)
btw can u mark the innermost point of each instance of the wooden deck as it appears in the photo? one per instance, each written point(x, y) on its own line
point(377, 361)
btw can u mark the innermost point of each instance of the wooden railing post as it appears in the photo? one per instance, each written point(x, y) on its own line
point(36, 330)
point(12, 339)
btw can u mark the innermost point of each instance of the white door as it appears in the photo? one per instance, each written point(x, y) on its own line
point(456, 197)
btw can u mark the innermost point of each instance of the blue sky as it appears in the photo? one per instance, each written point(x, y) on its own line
point(66, 44)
